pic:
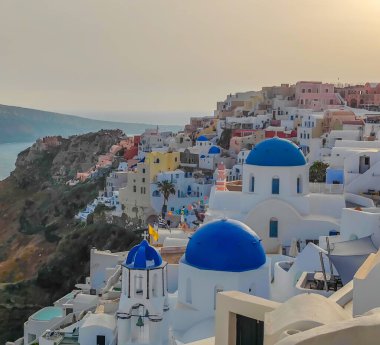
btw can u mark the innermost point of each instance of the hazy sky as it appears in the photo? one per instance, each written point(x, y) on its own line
point(177, 56)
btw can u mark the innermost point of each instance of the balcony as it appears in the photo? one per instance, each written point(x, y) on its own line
point(322, 284)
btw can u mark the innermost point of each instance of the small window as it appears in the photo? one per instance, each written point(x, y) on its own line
point(299, 185)
point(252, 186)
point(143, 179)
point(273, 228)
point(275, 185)
point(134, 189)
point(143, 171)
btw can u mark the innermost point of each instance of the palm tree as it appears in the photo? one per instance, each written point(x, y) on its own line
point(166, 188)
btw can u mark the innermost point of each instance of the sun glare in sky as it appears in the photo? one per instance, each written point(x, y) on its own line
point(96, 56)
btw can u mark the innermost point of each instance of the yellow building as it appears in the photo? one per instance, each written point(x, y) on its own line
point(157, 162)
point(136, 196)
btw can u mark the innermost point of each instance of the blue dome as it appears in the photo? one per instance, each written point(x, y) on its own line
point(225, 245)
point(143, 256)
point(276, 152)
point(202, 156)
point(214, 150)
point(202, 138)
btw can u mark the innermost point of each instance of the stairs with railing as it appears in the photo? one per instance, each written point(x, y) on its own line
point(360, 182)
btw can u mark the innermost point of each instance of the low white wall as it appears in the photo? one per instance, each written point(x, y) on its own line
point(358, 199)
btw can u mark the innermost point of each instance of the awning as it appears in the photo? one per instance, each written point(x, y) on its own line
point(348, 256)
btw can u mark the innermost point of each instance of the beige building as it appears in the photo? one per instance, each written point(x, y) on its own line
point(239, 104)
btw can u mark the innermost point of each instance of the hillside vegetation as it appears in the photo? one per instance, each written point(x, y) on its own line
point(44, 252)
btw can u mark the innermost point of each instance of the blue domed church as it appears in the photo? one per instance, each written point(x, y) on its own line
point(221, 255)
point(275, 199)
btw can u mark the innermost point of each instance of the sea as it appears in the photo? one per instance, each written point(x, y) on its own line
point(8, 156)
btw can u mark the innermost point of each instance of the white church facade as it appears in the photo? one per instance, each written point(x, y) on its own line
point(275, 198)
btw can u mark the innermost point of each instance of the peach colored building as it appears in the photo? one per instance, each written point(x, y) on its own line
point(82, 176)
point(239, 143)
point(316, 95)
point(333, 119)
point(115, 149)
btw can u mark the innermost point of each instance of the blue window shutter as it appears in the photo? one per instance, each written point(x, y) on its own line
point(273, 229)
point(275, 186)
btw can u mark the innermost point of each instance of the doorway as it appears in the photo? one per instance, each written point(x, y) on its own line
point(364, 164)
point(100, 340)
point(249, 331)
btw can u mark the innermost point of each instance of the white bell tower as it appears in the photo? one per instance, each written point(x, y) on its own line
point(143, 303)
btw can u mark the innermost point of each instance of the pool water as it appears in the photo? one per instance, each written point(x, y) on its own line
point(48, 313)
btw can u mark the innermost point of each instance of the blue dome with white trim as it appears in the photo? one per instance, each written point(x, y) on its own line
point(276, 152)
point(214, 150)
point(202, 138)
point(143, 256)
point(225, 245)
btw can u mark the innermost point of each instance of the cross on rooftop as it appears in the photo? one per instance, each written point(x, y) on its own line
point(145, 235)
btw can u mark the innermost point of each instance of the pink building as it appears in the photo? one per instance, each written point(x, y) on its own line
point(362, 96)
point(105, 160)
point(317, 96)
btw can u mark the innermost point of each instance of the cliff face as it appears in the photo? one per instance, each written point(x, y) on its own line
point(43, 251)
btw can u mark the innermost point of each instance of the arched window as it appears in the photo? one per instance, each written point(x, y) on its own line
point(188, 291)
point(299, 185)
point(275, 185)
point(252, 184)
point(139, 285)
point(273, 228)
point(217, 289)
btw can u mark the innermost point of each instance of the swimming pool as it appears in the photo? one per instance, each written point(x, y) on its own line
point(48, 313)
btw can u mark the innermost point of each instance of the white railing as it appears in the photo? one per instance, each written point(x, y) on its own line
point(69, 319)
point(112, 280)
point(325, 188)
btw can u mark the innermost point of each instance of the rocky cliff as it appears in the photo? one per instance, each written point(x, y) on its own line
point(43, 251)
